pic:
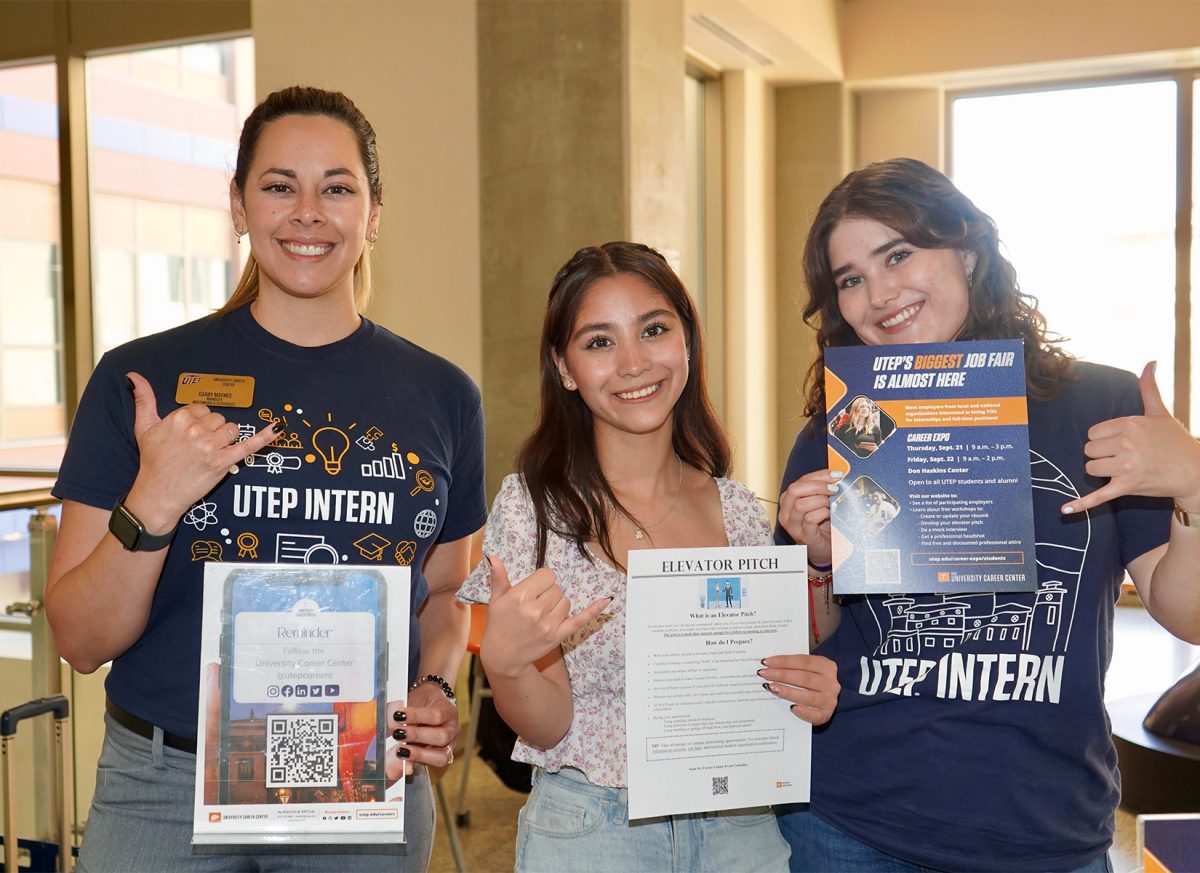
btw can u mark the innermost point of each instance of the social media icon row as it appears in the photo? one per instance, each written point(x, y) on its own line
point(304, 690)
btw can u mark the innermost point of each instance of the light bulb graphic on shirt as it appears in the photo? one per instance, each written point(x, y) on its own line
point(331, 444)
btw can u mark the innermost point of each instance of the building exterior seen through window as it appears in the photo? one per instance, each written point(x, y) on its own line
point(162, 140)
point(162, 131)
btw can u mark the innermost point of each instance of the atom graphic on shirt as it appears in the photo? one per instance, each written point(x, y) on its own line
point(201, 515)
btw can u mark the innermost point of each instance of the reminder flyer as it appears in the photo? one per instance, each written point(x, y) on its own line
point(933, 444)
point(298, 666)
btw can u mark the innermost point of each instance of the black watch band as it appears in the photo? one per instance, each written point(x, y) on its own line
point(131, 533)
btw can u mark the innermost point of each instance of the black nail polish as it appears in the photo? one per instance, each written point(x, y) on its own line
point(763, 661)
point(400, 715)
point(399, 734)
point(767, 685)
point(403, 752)
point(129, 384)
point(277, 426)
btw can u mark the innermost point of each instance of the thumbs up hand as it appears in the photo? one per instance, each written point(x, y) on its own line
point(183, 456)
point(528, 620)
point(1150, 455)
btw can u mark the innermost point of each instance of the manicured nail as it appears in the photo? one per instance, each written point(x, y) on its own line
point(832, 486)
point(836, 474)
point(759, 672)
point(400, 715)
point(403, 751)
point(277, 426)
point(1067, 510)
point(399, 734)
point(767, 685)
point(762, 661)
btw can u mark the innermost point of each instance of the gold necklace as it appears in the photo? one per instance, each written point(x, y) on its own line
point(639, 533)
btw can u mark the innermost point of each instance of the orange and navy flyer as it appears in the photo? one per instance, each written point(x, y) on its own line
point(933, 444)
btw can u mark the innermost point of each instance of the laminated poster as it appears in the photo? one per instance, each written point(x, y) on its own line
point(933, 442)
point(298, 663)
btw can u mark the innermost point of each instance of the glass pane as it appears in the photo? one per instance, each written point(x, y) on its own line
point(163, 124)
point(31, 407)
point(1081, 183)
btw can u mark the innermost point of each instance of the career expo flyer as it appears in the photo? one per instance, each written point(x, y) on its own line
point(933, 444)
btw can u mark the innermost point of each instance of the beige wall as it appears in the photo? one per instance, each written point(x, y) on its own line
point(906, 122)
point(411, 68)
point(893, 38)
point(810, 159)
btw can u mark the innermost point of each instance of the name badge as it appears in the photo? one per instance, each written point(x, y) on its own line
point(214, 390)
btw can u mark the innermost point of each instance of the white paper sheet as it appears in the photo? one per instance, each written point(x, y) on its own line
point(703, 732)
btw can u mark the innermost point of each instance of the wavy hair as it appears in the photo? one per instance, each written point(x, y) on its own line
point(558, 461)
point(929, 212)
point(301, 100)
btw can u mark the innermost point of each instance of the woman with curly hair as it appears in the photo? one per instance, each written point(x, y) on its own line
point(983, 744)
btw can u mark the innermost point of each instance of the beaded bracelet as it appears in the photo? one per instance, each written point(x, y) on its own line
point(439, 682)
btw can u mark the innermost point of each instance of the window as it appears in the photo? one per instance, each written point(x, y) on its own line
point(163, 128)
point(1081, 183)
point(31, 389)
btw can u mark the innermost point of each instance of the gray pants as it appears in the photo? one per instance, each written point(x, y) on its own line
point(141, 820)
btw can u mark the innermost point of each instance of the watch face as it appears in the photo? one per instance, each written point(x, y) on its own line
point(127, 529)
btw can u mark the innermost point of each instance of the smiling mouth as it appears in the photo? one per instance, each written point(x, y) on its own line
point(309, 250)
point(902, 316)
point(641, 392)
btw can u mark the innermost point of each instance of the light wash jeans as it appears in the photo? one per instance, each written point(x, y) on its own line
point(569, 825)
point(141, 820)
point(818, 847)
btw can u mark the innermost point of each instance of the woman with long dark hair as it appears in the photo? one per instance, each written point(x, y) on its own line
point(627, 454)
point(984, 745)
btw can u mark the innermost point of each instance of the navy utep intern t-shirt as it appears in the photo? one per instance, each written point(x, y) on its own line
point(971, 731)
point(402, 411)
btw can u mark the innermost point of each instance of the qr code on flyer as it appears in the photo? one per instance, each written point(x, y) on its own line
point(720, 785)
point(301, 751)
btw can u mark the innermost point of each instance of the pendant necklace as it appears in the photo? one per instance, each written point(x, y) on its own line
point(639, 533)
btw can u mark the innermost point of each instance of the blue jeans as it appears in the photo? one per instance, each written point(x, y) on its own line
point(818, 847)
point(569, 824)
point(141, 820)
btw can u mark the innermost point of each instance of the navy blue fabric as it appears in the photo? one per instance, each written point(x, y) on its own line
point(971, 731)
point(402, 410)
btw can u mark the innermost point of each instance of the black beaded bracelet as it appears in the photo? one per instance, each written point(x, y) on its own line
point(440, 682)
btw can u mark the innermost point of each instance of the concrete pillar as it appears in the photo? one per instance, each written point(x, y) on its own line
point(581, 142)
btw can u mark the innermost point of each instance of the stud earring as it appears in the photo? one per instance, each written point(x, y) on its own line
point(569, 383)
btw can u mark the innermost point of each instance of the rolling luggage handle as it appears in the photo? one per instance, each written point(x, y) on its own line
point(9, 720)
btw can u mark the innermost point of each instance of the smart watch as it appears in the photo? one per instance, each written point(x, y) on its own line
point(131, 533)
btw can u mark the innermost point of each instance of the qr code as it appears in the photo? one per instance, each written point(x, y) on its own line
point(301, 751)
point(882, 567)
point(720, 785)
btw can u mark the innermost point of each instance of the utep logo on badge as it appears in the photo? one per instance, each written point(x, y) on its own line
point(188, 379)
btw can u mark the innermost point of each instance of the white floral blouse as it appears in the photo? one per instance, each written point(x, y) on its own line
point(595, 655)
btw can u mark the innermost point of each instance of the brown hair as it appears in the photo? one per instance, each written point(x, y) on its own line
point(300, 100)
point(558, 461)
point(928, 211)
